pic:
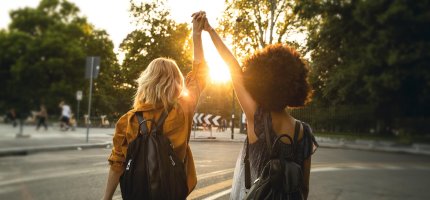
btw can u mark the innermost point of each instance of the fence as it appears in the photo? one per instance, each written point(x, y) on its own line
point(349, 119)
point(356, 119)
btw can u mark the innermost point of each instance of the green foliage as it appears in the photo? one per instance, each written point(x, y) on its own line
point(371, 53)
point(217, 99)
point(253, 24)
point(42, 57)
point(157, 36)
point(347, 119)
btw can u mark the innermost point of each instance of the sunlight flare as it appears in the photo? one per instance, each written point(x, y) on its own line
point(218, 70)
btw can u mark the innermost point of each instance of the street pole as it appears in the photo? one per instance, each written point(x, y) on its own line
point(232, 116)
point(78, 98)
point(89, 97)
point(77, 114)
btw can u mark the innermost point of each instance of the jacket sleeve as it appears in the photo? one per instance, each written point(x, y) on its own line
point(195, 82)
point(117, 157)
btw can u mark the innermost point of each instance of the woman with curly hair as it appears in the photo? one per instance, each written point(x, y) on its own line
point(274, 79)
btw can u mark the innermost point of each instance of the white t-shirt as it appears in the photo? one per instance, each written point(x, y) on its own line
point(66, 111)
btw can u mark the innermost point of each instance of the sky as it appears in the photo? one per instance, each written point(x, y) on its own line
point(114, 17)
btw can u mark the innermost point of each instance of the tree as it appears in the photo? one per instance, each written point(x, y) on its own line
point(253, 24)
point(371, 52)
point(107, 86)
point(157, 36)
point(43, 54)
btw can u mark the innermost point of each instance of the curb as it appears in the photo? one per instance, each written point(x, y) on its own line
point(375, 149)
point(206, 139)
point(29, 150)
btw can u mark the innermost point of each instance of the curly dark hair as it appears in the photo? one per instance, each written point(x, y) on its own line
point(276, 77)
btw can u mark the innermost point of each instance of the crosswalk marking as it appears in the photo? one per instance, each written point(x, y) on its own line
point(215, 173)
point(51, 175)
point(218, 195)
point(209, 189)
point(199, 178)
point(216, 190)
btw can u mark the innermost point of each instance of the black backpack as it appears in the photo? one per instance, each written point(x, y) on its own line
point(281, 178)
point(152, 169)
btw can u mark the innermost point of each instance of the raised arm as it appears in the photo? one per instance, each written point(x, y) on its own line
point(249, 106)
point(197, 38)
point(196, 80)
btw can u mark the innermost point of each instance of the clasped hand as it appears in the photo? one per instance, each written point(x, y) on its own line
point(200, 22)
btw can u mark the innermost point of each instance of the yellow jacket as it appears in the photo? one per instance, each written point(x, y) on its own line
point(177, 126)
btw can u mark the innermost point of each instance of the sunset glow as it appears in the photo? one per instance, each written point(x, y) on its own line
point(218, 70)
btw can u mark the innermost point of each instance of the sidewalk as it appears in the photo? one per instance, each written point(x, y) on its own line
point(53, 140)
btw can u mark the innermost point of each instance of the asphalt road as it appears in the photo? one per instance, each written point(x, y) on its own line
point(336, 174)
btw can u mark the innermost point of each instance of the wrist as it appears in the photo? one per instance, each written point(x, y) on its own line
point(197, 34)
point(210, 30)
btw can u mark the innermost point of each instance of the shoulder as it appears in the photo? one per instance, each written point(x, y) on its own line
point(307, 128)
point(176, 119)
point(176, 113)
point(309, 142)
point(124, 119)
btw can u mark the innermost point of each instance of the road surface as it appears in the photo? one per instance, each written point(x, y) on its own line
point(336, 174)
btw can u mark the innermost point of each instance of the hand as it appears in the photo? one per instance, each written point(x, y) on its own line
point(206, 26)
point(200, 17)
point(198, 22)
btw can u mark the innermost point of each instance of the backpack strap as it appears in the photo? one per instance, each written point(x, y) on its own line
point(247, 167)
point(142, 122)
point(246, 159)
point(267, 133)
point(296, 136)
point(159, 124)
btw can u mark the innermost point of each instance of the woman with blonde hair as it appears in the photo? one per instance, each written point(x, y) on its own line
point(162, 88)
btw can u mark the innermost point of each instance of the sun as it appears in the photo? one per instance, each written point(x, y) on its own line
point(218, 70)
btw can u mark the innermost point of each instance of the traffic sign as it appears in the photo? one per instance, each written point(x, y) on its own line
point(207, 117)
point(93, 63)
point(199, 118)
point(79, 95)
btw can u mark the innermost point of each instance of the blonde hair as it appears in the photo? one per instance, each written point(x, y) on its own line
point(160, 82)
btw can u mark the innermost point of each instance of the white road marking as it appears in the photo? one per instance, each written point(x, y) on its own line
point(326, 169)
point(8, 189)
point(218, 195)
point(199, 178)
point(104, 163)
point(203, 161)
point(64, 173)
point(392, 167)
point(210, 189)
point(215, 173)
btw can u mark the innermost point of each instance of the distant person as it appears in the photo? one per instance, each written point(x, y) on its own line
point(11, 116)
point(274, 78)
point(205, 126)
point(42, 117)
point(73, 122)
point(224, 124)
point(160, 93)
point(66, 113)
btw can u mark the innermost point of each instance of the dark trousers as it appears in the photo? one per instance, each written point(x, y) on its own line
point(42, 121)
